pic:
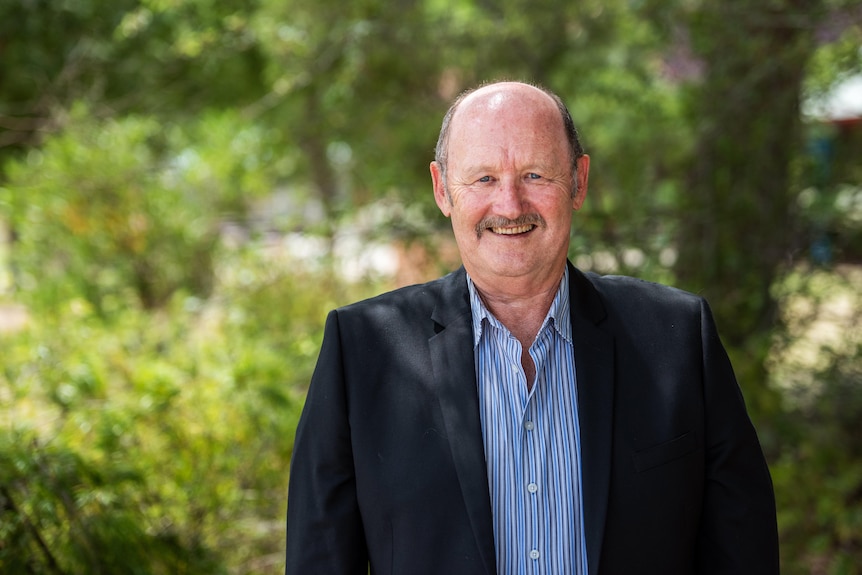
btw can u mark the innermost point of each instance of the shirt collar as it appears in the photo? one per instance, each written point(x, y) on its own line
point(559, 312)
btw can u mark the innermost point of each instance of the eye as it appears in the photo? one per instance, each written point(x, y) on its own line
point(485, 179)
point(533, 176)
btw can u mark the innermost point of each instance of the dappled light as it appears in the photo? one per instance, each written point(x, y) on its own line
point(188, 187)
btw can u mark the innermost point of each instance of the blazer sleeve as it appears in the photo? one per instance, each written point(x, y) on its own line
point(738, 532)
point(324, 526)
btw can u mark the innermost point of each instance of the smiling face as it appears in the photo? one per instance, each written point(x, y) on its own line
point(509, 187)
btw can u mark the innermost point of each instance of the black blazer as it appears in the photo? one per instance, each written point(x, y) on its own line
point(388, 465)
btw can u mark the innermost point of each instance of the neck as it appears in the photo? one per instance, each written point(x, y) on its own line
point(522, 312)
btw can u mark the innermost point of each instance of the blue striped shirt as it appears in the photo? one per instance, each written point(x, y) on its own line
point(532, 442)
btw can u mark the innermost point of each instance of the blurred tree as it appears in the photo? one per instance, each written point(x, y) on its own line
point(350, 86)
point(126, 210)
point(352, 95)
point(361, 90)
point(136, 127)
point(61, 513)
point(160, 442)
point(817, 364)
point(125, 56)
point(738, 226)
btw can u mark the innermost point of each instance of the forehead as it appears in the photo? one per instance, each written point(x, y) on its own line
point(522, 119)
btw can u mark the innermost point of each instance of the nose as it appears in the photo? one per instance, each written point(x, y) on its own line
point(509, 198)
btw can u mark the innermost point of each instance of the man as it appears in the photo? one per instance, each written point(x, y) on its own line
point(519, 416)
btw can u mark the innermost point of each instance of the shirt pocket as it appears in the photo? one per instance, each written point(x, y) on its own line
point(665, 452)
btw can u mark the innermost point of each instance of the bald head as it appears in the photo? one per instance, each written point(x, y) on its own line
point(499, 94)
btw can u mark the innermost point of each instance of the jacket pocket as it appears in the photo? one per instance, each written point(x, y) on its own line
point(665, 452)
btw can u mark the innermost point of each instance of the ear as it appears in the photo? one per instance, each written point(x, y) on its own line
point(440, 195)
point(583, 177)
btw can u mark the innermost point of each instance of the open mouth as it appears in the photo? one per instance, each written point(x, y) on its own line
point(499, 226)
point(512, 231)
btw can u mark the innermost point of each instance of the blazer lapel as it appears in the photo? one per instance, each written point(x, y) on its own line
point(594, 363)
point(454, 375)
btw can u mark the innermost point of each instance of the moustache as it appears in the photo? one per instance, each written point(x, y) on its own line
point(501, 222)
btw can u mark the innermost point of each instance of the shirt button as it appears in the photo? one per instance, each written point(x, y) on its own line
point(534, 554)
point(528, 425)
point(532, 487)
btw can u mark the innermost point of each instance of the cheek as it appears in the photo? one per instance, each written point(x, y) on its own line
point(554, 205)
point(466, 210)
point(460, 222)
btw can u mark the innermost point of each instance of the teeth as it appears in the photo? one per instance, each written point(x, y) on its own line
point(512, 231)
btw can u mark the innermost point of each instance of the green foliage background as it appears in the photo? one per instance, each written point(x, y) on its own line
point(188, 186)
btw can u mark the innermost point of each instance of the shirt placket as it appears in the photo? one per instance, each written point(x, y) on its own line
point(531, 461)
point(519, 404)
point(531, 489)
